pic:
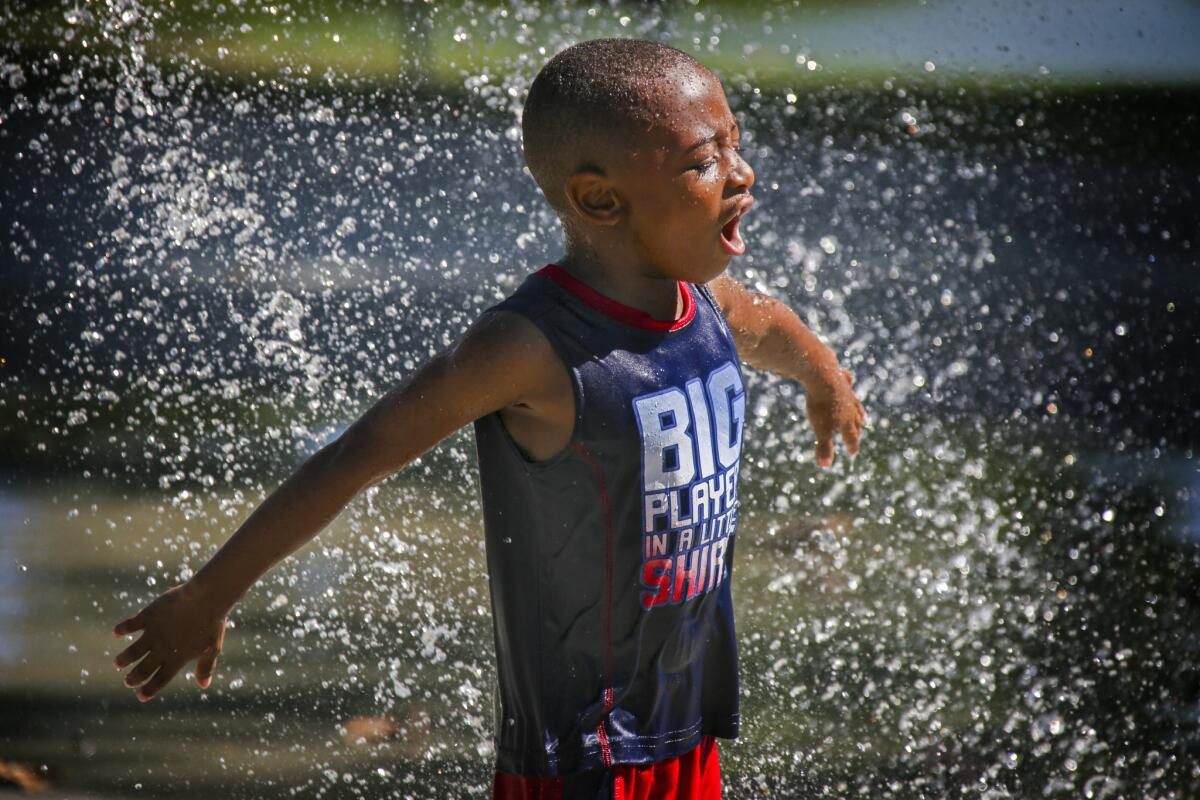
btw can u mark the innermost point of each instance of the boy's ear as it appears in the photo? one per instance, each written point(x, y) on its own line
point(594, 197)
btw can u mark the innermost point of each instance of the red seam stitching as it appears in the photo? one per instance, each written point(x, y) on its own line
point(606, 619)
point(605, 752)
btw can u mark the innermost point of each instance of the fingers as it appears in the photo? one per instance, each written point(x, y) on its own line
point(205, 666)
point(824, 452)
point(142, 672)
point(821, 419)
point(155, 685)
point(850, 435)
point(132, 653)
point(831, 415)
point(130, 624)
point(847, 423)
point(207, 663)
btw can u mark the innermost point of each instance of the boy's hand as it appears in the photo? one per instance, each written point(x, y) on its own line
point(177, 627)
point(832, 410)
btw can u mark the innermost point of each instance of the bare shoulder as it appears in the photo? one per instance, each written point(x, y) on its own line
point(527, 381)
point(505, 336)
point(739, 305)
point(509, 357)
point(728, 291)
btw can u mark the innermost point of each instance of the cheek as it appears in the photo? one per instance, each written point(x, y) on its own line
point(690, 223)
point(681, 218)
point(701, 197)
point(698, 211)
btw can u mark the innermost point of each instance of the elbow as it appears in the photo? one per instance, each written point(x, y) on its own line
point(748, 348)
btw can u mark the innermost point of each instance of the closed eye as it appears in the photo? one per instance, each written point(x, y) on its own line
point(712, 161)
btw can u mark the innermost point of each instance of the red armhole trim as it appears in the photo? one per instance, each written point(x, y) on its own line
point(619, 311)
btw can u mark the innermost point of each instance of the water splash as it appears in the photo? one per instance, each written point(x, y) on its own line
point(226, 248)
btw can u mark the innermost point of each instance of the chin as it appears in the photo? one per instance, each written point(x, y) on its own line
point(699, 270)
point(718, 268)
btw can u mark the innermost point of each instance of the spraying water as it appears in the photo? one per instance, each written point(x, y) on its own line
point(228, 229)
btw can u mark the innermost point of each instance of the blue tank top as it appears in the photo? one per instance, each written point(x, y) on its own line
point(610, 563)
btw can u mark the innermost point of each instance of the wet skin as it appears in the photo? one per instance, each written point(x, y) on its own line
point(661, 212)
point(653, 214)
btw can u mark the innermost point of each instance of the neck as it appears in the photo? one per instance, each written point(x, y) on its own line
point(622, 280)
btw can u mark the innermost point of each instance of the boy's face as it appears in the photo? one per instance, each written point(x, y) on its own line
point(685, 185)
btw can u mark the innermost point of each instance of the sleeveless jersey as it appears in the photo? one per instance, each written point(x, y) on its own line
point(610, 563)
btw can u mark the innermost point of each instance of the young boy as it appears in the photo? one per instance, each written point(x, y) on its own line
point(609, 410)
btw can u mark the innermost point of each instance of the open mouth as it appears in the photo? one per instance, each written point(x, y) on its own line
point(731, 236)
point(731, 231)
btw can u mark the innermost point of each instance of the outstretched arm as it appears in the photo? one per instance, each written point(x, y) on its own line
point(770, 337)
point(502, 360)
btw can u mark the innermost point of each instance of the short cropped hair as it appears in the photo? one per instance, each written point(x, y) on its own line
point(587, 98)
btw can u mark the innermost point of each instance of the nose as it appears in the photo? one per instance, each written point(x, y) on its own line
point(741, 177)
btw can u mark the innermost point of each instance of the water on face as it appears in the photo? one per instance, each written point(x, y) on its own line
point(214, 269)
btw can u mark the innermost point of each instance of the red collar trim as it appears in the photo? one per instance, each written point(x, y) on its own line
point(619, 311)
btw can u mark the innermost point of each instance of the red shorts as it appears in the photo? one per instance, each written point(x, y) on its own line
point(695, 775)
